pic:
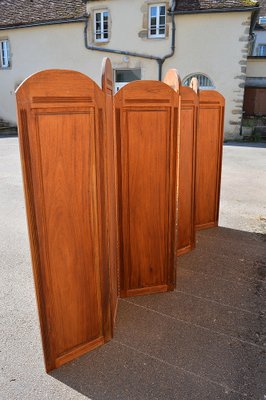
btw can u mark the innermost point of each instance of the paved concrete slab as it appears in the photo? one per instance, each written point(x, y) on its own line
point(243, 205)
point(204, 341)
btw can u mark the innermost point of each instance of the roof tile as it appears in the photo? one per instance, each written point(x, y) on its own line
point(202, 5)
point(23, 12)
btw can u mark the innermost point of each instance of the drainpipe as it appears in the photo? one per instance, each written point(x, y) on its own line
point(160, 60)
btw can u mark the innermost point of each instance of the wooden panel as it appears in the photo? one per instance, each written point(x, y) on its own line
point(187, 127)
point(209, 158)
point(60, 129)
point(111, 189)
point(147, 118)
point(187, 168)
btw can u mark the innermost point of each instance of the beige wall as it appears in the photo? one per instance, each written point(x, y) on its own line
point(256, 68)
point(213, 44)
point(216, 45)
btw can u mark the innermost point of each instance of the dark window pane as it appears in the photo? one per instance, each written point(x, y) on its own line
point(162, 20)
point(128, 75)
point(162, 10)
point(153, 21)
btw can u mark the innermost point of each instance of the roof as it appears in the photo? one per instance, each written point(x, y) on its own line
point(19, 13)
point(16, 13)
point(195, 6)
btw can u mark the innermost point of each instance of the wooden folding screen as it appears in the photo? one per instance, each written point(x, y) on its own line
point(187, 160)
point(62, 127)
point(209, 158)
point(147, 121)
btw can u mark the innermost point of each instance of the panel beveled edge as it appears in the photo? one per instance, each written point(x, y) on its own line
point(48, 353)
point(190, 101)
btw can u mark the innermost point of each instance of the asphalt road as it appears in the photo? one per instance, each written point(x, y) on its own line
point(214, 327)
point(243, 194)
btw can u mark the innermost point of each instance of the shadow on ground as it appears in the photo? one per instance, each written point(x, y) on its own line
point(241, 143)
point(204, 341)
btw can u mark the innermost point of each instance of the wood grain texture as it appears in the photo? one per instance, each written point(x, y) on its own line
point(187, 127)
point(111, 182)
point(187, 169)
point(60, 143)
point(147, 119)
point(209, 158)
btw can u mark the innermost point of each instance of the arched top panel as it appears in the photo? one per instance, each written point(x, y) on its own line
point(143, 93)
point(194, 84)
point(107, 76)
point(58, 88)
point(188, 94)
point(172, 79)
point(211, 96)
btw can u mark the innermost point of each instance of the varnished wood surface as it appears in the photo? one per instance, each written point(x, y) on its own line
point(185, 224)
point(209, 158)
point(61, 124)
point(146, 119)
point(187, 169)
point(111, 182)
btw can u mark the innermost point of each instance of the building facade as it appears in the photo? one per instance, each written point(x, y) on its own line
point(255, 90)
point(210, 39)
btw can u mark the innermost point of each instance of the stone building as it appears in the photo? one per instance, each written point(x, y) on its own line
point(143, 38)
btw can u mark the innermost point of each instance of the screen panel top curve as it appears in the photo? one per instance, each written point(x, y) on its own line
point(60, 118)
point(146, 125)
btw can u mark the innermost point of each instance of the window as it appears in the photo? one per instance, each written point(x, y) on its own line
point(124, 76)
point(5, 54)
point(262, 20)
point(261, 50)
point(101, 26)
point(204, 81)
point(157, 20)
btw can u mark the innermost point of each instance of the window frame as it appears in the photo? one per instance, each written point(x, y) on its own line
point(119, 85)
point(259, 47)
point(157, 27)
point(196, 75)
point(102, 32)
point(4, 53)
point(262, 20)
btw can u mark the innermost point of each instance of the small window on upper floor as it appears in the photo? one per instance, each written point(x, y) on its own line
point(261, 50)
point(4, 54)
point(101, 22)
point(157, 20)
point(204, 81)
